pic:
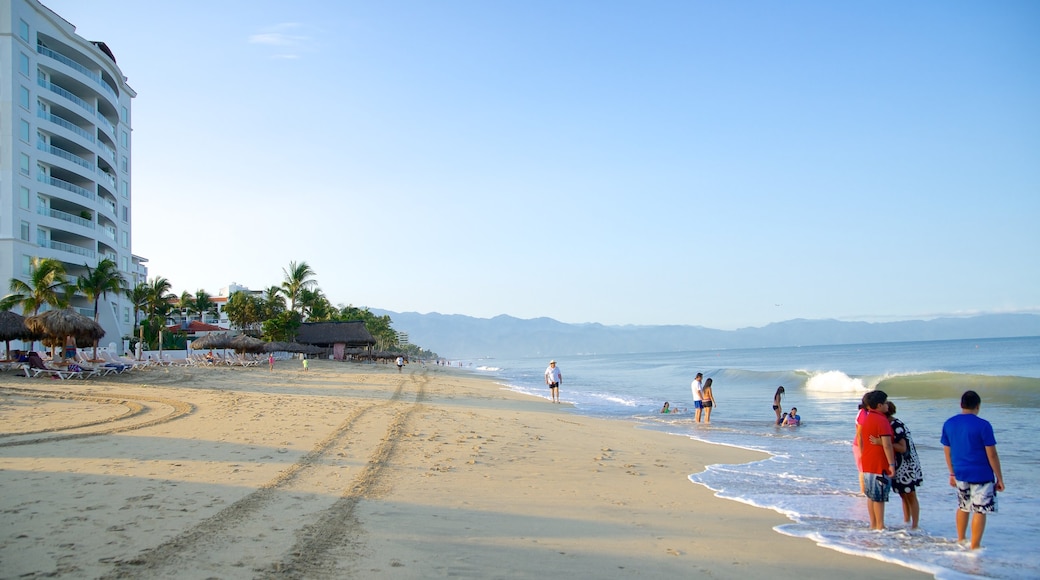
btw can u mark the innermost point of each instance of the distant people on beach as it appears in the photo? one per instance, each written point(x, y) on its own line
point(879, 461)
point(698, 397)
point(909, 474)
point(791, 419)
point(400, 363)
point(270, 360)
point(707, 400)
point(553, 378)
point(971, 455)
point(777, 401)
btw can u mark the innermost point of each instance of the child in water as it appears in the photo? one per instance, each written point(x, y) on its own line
point(792, 419)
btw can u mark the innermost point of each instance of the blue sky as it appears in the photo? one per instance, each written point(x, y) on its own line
point(724, 164)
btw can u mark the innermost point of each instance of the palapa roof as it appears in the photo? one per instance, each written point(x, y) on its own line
point(351, 333)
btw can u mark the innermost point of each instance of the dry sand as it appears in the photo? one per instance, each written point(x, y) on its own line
point(358, 471)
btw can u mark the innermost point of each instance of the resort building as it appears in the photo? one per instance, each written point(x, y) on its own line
point(65, 163)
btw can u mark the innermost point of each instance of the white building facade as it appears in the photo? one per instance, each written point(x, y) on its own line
point(65, 157)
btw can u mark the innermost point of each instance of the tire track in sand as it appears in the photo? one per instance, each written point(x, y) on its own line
point(140, 412)
point(287, 508)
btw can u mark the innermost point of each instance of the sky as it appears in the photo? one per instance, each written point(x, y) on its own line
point(721, 164)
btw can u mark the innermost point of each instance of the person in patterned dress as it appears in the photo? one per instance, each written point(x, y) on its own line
point(908, 469)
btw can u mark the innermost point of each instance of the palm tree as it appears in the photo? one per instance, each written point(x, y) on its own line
point(297, 279)
point(138, 295)
point(202, 303)
point(47, 286)
point(98, 283)
point(159, 304)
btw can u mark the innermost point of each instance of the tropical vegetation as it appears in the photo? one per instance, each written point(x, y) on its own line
point(275, 314)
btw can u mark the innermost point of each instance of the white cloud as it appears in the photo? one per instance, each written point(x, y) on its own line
point(282, 36)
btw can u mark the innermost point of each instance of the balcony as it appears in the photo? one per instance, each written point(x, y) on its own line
point(67, 95)
point(67, 217)
point(61, 184)
point(63, 154)
point(63, 247)
point(77, 67)
point(71, 127)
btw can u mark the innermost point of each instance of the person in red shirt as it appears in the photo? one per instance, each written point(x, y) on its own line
point(877, 456)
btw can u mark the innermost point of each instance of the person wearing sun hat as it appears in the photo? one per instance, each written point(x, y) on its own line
point(553, 378)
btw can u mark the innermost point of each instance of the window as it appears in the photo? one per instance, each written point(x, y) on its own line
point(23, 63)
point(24, 232)
point(124, 139)
point(124, 188)
point(23, 30)
point(23, 97)
point(26, 265)
point(124, 164)
point(23, 164)
point(126, 315)
point(126, 214)
point(41, 237)
point(124, 115)
point(124, 239)
point(23, 130)
point(126, 264)
point(23, 197)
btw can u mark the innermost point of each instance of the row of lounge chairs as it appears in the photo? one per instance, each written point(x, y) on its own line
point(231, 359)
point(80, 367)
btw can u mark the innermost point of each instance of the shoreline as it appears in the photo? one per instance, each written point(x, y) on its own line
point(356, 470)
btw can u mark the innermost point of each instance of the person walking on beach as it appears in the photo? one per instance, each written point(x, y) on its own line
point(971, 455)
point(908, 474)
point(698, 397)
point(270, 361)
point(553, 378)
point(708, 401)
point(777, 398)
point(400, 363)
point(879, 460)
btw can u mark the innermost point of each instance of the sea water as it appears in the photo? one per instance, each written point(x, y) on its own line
point(810, 475)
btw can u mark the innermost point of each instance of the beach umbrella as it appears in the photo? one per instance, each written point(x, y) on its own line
point(211, 341)
point(59, 324)
point(246, 343)
point(12, 327)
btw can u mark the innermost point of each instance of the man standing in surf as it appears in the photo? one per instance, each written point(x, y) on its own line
point(698, 396)
point(553, 378)
point(971, 455)
point(879, 460)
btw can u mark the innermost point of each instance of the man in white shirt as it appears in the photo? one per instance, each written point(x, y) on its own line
point(698, 396)
point(553, 378)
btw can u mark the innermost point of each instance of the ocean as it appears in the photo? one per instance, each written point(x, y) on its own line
point(810, 475)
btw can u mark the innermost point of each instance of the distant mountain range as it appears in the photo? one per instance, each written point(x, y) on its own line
point(458, 336)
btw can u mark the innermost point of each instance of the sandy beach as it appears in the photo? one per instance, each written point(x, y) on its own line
point(357, 471)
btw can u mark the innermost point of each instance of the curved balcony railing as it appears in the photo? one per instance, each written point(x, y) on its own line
point(67, 94)
point(63, 247)
point(78, 67)
point(63, 154)
point(81, 69)
point(62, 184)
point(68, 217)
point(111, 152)
point(70, 126)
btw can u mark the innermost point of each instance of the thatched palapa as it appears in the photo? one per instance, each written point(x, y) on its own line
point(12, 327)
point(336, 335)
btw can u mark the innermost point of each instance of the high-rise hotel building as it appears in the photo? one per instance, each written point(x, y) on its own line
point(65, 164)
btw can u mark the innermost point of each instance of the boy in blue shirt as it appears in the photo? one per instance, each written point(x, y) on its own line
point(971, 455)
